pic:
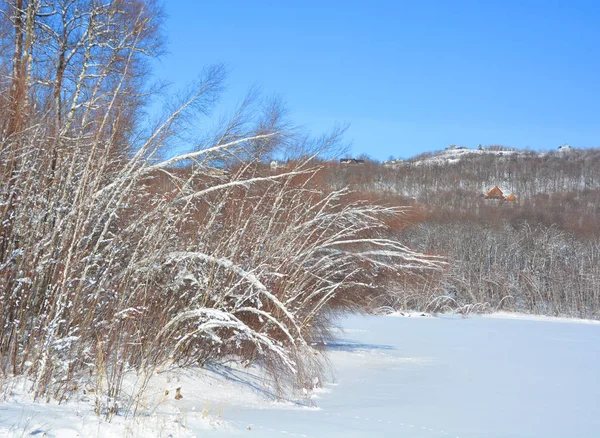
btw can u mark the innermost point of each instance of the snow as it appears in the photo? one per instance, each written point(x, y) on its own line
point(527, 317)
point(502, 375)
point(450, 156)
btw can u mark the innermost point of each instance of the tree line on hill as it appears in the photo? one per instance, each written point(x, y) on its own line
point(539, 254)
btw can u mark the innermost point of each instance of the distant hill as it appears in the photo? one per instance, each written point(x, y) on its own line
point(536, 252)
point(454, 154)
point(560, 187)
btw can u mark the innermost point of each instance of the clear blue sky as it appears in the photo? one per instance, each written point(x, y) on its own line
point(406, 76)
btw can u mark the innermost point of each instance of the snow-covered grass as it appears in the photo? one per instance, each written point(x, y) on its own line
point(502, 375)
point(133, 259)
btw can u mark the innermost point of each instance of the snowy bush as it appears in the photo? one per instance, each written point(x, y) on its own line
point(117, 256)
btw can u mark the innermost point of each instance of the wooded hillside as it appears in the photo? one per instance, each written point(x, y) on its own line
point(539, 253)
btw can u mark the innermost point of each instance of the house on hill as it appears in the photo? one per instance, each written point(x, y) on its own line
point(564, 149)
point(351, 161)
point(495, 193)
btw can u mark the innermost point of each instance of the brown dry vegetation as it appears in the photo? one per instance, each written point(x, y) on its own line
point(118, 257)
point(538, 254)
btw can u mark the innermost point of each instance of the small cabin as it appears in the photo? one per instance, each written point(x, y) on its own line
point(351, 161)
point(495, 193)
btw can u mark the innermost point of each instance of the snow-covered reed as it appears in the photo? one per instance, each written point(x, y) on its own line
point(118, 256)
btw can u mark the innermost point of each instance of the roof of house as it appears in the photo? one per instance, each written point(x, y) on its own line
point(495, 193)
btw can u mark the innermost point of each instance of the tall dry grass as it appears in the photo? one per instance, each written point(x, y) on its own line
point(118, 256)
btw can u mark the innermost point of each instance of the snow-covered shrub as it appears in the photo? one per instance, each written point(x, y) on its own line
point(117, 256)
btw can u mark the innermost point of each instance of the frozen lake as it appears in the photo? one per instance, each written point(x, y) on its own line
point(394, 377)
point(449, 376)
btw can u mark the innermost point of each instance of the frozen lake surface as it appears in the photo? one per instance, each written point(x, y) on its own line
point(449, 376)
point(414, 377)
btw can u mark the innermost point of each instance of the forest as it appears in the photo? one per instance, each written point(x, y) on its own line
point(538, 254)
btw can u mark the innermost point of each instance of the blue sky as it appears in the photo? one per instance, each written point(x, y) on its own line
point(407, 76)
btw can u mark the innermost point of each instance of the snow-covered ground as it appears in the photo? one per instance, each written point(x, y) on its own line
point(450, 156)
point(445, 376)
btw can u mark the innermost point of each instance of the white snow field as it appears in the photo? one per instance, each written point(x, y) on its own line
point(443, 376)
